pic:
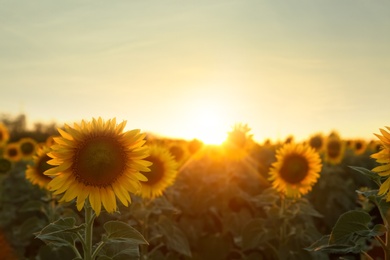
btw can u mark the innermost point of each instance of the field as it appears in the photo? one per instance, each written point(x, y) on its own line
point(229, 201)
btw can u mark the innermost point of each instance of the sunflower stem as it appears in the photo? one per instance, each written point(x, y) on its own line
point(89, 218)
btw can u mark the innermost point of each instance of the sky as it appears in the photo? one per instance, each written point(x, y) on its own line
point(194, 69)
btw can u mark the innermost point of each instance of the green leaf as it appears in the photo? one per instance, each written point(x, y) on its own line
point(322, 245)
point(115, 250)
point(350, 223)
point(255, 234)
point(371, 175)
point(60, 232)
point(175, 238)
point(120, 231)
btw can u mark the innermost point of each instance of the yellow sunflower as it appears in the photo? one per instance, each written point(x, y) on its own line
point(98, 161)
point(12, 152)
point(334, 149)
point(28, 147)
point(34, 173)
point(162, 172)
point(383, 157)
point(359, 146)
point(296, 169)
point(4, 134)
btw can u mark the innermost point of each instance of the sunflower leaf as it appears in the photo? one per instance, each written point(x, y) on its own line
point(255, 234)
point(60, 233)
point(322, 245)
point(350, 226)
point(174, 237)
point(119, 251)
point(370, 174)
point(120, 231)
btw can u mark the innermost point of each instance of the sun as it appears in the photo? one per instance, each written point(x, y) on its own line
point(209, 124)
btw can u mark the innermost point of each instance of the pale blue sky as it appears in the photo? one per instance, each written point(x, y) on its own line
point(188, 68)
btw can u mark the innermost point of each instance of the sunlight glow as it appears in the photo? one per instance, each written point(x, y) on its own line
point(209, 125)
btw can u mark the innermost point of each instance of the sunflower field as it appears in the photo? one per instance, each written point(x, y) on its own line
point(92, 190)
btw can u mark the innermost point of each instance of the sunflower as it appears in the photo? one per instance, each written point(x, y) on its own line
point(334, 149)
point(98, 161)
point(28, 147)
point(162, 172)
point(296, 169)
point(316, 141)
point(34, 173)
point(383, 157)
point(239, 142)
point(12, 152)
point(359, 146)
point(4, 134)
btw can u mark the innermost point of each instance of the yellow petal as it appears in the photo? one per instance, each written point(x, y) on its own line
point(94, 199)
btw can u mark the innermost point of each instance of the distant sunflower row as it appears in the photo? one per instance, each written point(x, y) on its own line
point(100, 162)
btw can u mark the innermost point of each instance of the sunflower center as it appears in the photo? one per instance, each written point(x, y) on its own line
point(27, 148)
point(358, 146)
point(295, 168)
point(99, 161)
point(334, 148)
point(157, 170)
point(316, 142)
point(12, 152)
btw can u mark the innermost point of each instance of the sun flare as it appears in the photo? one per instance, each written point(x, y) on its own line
point(209, 124)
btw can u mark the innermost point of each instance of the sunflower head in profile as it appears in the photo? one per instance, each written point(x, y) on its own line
point(98, 161)
point(238, 142)
point(4, 134)
point(162, 172)
point(34, 172)
point(334, 149)
point(296, 170)
point(28, 147)
point(383, 157)
point(12, 152)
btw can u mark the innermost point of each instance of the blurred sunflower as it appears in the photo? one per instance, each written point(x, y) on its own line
point(334, 149)
point(383, 157)
point(34, 172)
point(98, 161)
point(239, 142)
point(359, 146)
point(162, 173)
point(4, 134)
point(5, 165)
point(296, 169)
point(316, 141)
point(28, 147)
point(12, 152)
point(180, 152)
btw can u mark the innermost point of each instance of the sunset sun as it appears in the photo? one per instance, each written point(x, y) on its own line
point(208, 121)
